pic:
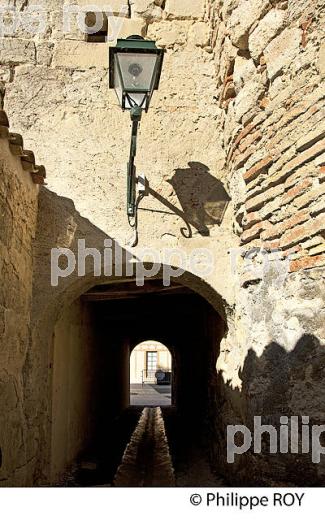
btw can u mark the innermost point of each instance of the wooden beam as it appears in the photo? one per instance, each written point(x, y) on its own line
point(133, 294)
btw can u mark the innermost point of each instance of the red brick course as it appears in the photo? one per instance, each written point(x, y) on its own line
point(297, 190)
point(253, 172)
point(279, 229)
point(307, 263)
point(312, 227)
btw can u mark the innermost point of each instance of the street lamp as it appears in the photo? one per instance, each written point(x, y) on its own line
point(135, 66)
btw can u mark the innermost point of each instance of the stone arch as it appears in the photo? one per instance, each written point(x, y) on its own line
point(43, 342)
point(153, 340)
point(60, 225)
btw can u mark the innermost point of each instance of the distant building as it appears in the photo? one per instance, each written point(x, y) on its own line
point(148, 358)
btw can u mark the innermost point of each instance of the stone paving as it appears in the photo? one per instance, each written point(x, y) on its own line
point(150, 395)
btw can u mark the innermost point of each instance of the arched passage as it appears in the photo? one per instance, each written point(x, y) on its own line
point(93, 340)
point(74, 385)
point(151, 374)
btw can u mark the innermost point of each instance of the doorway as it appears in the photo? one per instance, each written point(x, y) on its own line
point(150, 375)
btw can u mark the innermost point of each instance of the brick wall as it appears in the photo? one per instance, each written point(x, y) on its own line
point(269, 58)
point(270, 66)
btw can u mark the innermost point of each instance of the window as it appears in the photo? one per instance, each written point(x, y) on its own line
point(152, 358)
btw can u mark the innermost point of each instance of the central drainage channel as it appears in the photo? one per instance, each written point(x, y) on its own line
point(146, 461)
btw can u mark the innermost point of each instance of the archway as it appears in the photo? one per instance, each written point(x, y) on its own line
point(112, 311)
point(93, 339)
point(151, 375)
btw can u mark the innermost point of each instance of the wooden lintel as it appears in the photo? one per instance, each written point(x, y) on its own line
point(132, 294)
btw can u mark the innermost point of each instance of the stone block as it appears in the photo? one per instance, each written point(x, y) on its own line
point(317, 250)
point(281, 51)
point(242, 19)
point(117, 7)
point(67, 25)
point(266, 30)
point(184, 9)
point(169, 33)
point(148, 9)
point(247, 98)
point(199, 34)
point(17, 51)
point(128, 27)
point(227, 7)
point(320, 161)
point(44, 53)
point(80, 55)
point(244, 71)
point(311, 137)
point(6, 223)
point(50, 5)
point(321, 59)
point(257, 202)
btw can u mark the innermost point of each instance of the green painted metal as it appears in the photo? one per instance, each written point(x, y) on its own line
point(136, 114)
point(135, 44)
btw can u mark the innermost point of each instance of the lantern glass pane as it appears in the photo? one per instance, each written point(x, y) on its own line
point(135, 100)
point(132, 99)
point(118, 86)
point(137, 70)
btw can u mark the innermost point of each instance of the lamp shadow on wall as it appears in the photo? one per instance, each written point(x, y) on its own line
point(202, 197)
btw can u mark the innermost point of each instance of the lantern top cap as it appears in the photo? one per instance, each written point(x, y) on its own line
point(136, 43)
point(135, 37)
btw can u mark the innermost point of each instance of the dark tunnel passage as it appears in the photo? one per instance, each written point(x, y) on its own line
point(92, 419)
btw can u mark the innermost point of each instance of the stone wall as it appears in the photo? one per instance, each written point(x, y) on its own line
point(18, 211)
point(75, 398)
point(59, 82)
point(271, 89)
point(270, 85)
point(86, 144)
point(238, 120)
